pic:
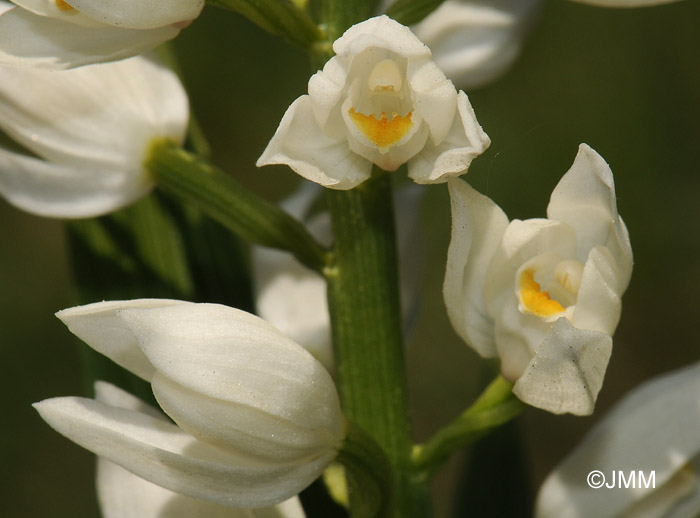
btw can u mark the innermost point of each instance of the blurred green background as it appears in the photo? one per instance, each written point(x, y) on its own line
point(627, 82)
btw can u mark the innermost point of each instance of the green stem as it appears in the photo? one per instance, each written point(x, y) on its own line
point(223, 199)
point(367, 338)
point(496, 406)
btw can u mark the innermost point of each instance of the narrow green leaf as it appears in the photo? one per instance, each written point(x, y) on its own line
point(281, 17)
point(223, 199)
point(409, 12)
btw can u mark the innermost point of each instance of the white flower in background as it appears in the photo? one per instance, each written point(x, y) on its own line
point(652, 430)
point(257, 417)
point(71, 33)
point(293, 298)
point(474, 42)
point(121, 494)
point(381, 100)
point(543, 295)
point(625, 3)
point(87, 132)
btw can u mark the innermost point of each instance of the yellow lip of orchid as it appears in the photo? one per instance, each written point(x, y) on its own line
point(382, 132)
point(534, 299)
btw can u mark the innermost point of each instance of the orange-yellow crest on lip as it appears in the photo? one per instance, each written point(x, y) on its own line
point(64, 6)
point(382, 132)
point(536, 300)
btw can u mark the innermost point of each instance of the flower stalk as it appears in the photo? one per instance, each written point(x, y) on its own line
point(496, 406)
point(367, 338)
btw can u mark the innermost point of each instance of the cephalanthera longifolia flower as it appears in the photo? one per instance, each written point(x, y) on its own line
point(70, 33)
point(121, 494)
point(543, 295)
point(257, 418)
point(381, 100)
point(86, 133)
point(652, 431)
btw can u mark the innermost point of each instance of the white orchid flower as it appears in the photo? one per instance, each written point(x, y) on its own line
point(652, 430)
point(86, 133)
point(69, 33)
point(121, 494)
point(474, 42)
point(293, 297)
point(542, 294)
point(257, 418)
point(381, 100)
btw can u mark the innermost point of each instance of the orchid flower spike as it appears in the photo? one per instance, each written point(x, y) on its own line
point(474, 42)
point(61, 34)
point(381, 100)
point(257, 418)
point(652, 434)
point(543, 295)
point(121, 494)
point(82, 135)
point(293, 297)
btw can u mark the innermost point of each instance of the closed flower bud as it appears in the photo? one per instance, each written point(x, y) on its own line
point(257, 418)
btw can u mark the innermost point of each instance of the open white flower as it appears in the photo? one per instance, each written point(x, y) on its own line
point(474, 42)
point(381, 100)
point(88, 131)
point(121, 494)
point(542, 294)
point(257, 417)
point(293, 297)
point(70, 33)
point(652, 430)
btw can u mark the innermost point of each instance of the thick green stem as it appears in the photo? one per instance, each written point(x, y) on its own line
point(367, 338)
point(223, 199)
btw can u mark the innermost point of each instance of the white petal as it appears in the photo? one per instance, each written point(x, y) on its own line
point(585, 199)
point(382, 32)
point(254, 432)
point(598, 304)
point(161, 453)
point(98, 326)
point(303, 146)
point(464, 142)
point(51, 9)
point(326, 88)
point(478, 225)
point(522, 241)
point(67, 191)
point(567, 370)
point(655, 427)
point(434, 97)
point(122, 494)
point(5, 6)
point(137, 14)
point(474, 42)
point(625, 3)
point(35, 41)
point(102, 115)
point(257, 380)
